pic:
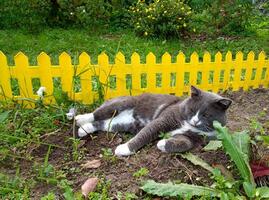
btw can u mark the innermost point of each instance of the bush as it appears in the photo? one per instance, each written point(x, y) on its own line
point(82, 12)
point(221, 17)
point(29, 14)
point(161, 18)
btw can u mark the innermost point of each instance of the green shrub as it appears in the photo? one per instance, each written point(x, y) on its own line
point(221, 17)
point(82, 12)
point(161, 18)
point(27, 14)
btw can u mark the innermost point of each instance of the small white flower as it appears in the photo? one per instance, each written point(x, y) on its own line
point(71, 13)
point(40, 92)
point(71, 113)
point(83, 10)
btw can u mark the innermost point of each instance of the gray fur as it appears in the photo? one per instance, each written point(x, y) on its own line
point(155, 113)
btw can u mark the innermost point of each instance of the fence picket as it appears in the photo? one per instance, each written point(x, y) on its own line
point(44, 64)
point(67, 73)
point(5, 87)
point(86, 72)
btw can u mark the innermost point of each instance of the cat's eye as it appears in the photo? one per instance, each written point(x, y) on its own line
point(206, 115)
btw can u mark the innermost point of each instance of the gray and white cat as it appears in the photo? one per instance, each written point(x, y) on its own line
point(148, 115)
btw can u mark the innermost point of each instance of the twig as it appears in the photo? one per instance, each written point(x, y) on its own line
point(114, 135)
point(51, 133)
point(110, 123)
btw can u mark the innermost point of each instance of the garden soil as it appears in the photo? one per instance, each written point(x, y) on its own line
point(162, 167)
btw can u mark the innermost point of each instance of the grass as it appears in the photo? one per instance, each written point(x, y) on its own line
point(75, 41)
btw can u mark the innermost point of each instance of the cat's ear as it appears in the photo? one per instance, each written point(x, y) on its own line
point(224, 103)
point(195, 92)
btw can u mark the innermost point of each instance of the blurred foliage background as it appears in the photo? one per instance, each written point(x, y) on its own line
point(162, 18)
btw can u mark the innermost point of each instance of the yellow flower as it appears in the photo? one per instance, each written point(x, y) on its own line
point(184, 24)
point(182, 8)
point(165, 12)
point(146, 33)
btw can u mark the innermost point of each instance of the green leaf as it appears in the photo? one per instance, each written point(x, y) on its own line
point(262, 192)
point(234, 152)
point(4, 116)
point(242, 141)
point(174, 190)
point(197, 161)
point(213, 145)
point(264, 138)
point(249, 189)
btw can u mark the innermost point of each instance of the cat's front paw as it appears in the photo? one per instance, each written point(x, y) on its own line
point(123, 150)
point(161, 145)
point(84, 119)
point(85, 130)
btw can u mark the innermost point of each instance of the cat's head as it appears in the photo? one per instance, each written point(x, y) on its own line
point(202, 108)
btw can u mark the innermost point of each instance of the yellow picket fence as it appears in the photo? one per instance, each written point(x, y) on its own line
point(220, 72)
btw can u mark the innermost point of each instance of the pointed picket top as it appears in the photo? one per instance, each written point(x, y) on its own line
point(84, 59)
point(20, 59)
point(3, 58)
point(229, 55)
point(251, 55)
point(103, 59)
point(194, 57)
point(239, 55)
point(65, 59)
point(166, 58)
point(150, 59)
point(120, 58)
point(135, 58)
point(206, 57)
point(262, 55)
point(43, 58)
point(181, 57)
point(218, 56)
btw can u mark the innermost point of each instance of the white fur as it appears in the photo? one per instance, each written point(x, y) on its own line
point(185, 127)
point(84, 119)
point(161, 145)
point(123, 150)
point(188, 127)
point(86, 129)
point(125, 117)
point(195, 120)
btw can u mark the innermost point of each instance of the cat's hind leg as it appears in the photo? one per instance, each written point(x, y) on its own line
point(107, 110)
point(175, 144)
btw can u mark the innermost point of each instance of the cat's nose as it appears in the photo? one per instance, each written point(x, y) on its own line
point(195, 122)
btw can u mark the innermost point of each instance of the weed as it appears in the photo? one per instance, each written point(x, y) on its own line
point(102, 191)
point(141, 172)
point(255, 125)
point(164, 135)
point(75, 151)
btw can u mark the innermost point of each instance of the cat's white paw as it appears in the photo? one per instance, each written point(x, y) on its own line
point(84, 119)
point(86, 129)
point(123, 150)
point(161, 145)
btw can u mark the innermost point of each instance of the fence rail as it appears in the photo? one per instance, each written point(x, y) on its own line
point(120, 78)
